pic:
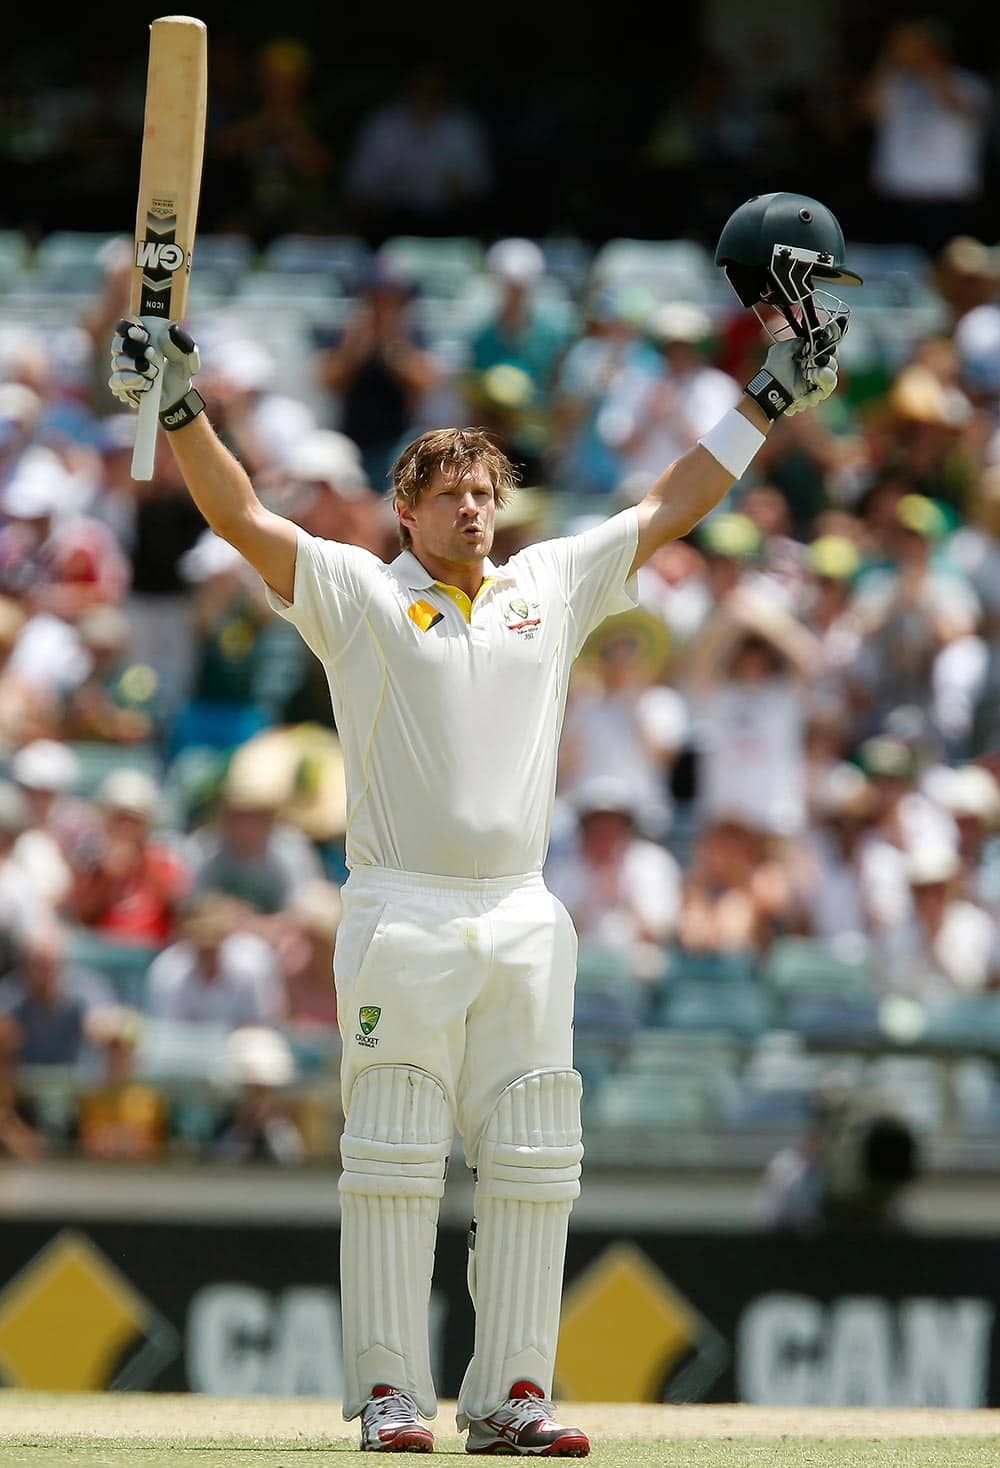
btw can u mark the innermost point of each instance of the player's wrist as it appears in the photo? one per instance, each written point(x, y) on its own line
point(182, 412)
point(733, 442)
point(771, 395)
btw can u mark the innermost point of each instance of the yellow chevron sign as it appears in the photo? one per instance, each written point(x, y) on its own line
point(71, 1321)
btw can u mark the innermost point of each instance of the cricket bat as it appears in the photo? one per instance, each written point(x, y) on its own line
point(173, 145)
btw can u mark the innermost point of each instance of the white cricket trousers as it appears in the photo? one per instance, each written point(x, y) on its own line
point(471, 981)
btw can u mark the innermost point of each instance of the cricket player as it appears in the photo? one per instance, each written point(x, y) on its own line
point(454, 964)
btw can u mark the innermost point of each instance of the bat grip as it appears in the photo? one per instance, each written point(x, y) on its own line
point(144, 448)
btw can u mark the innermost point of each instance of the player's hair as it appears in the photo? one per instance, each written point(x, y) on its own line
point(452, 452)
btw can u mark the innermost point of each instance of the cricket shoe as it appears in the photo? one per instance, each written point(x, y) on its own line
point(389, 1424)
point(524, 1426)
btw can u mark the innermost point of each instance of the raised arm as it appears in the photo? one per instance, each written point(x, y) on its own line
point(217, 482)
point(789, 382)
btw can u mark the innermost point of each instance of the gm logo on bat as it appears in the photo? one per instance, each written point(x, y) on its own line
point(156, 255)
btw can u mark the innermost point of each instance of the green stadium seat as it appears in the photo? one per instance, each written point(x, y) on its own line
point(341, 258)
point(608, 996)
point(727, 1006)
point(440, 267)
point(670, 270)
point(123, 965)
point(794, 966)
point(70, 260)
point(98, 759)
point(15, 254)
point(661, 1102)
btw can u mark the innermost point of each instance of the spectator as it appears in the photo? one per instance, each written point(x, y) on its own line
point(117, 701)
point(621, 890)
point(47, 1001)
point(119, 1116)
point(246, 850)
point(832, 877)
point(748, 678)
point(522, 330)
point(419, 164)
point(261, 1128)
point(379, 370)
point(583, 458)
point(907, 614)
point(20, 904)
point(20, 1138)
point(127, 884)
point(930, 119)
point(324, 488)
point(970, 794)
point(257, 421)
point(29, 708)
point(228, 615)
point(275, 160)
point(621, 722)
point(659, 411)
point(46, 773)
point(739, 892)
point(215, 972)
point(949, 944)
point(307, 955)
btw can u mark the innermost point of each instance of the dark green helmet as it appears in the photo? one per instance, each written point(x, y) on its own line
point(776, 249)
point(747, 243)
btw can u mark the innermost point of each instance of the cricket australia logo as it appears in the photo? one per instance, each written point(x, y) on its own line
point(522, 617)
point(368, 1018)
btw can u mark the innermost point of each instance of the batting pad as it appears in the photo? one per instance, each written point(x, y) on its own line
point(394, 1150)
point(527, 1176)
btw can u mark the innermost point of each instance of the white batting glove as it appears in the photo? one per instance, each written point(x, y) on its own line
point(793, 378)
point(135, 365)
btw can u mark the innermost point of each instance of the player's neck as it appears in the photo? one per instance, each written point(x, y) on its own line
point(467, 576)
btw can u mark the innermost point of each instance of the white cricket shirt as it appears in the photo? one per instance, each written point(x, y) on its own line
point(449, 712)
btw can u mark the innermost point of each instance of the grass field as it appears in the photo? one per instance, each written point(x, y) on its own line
point(153, 1431)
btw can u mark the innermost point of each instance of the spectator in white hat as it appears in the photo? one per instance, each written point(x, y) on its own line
point(950, 944)
point(261, 1127)
point(528, 326)
point(47, 774)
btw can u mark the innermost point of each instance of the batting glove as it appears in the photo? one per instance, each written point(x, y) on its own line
point(136, 363)
point(795, 378)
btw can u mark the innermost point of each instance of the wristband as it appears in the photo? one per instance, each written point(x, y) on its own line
point(733, 442)
point(179, 414)
point(769, 394)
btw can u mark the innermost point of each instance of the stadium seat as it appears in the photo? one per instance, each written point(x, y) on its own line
point(710, 968)
point(963, 1023)
point(15, 252)
point(670, 270)
point(727, 1006)
point(795, 966)
point(220, 262)
point(343, 259)
point(71, 261)
point(568, 260)
point(440, 267)
point(608, 998)
point(832, 1019)
point(98, 759)
point(123, 965)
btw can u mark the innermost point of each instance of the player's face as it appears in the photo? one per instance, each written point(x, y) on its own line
point(455, 517)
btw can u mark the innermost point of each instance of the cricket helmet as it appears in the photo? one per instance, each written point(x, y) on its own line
point(776, 250)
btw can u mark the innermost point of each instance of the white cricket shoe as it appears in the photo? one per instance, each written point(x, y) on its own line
point(389, 1424)
point(524, 1426)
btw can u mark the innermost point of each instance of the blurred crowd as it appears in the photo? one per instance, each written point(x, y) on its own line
point(796, 735)
point(898, 119)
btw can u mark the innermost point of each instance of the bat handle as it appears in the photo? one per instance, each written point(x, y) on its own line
point(144, 448)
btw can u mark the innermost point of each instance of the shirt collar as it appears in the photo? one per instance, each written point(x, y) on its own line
point(416, 576)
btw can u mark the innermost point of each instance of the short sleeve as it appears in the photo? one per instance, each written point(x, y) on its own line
point(592, 569)
point(333, 585)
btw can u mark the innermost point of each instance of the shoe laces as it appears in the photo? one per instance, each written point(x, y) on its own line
point(394, 1407)
point(530, 1408)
